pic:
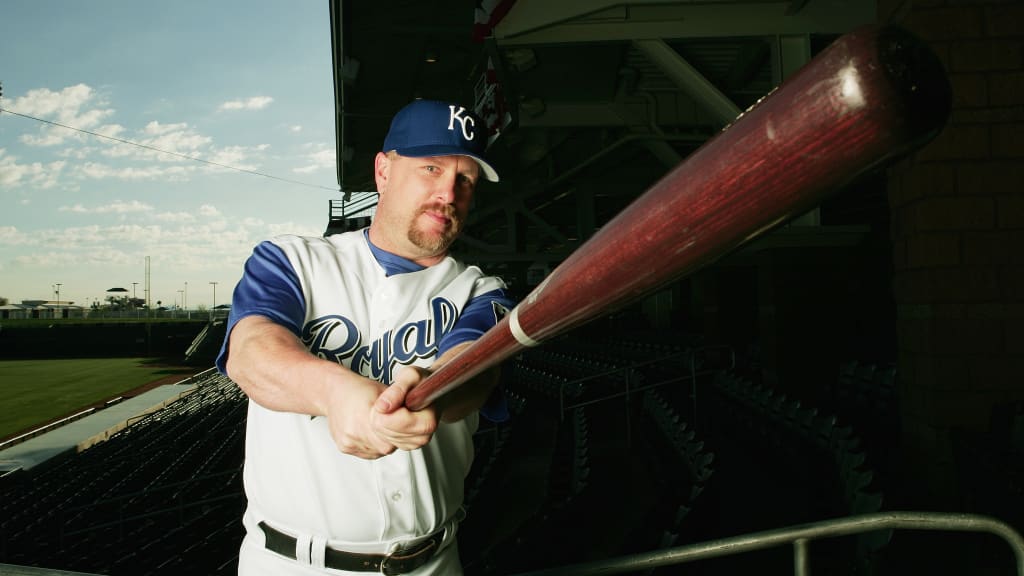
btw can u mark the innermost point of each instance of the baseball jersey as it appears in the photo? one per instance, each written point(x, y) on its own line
point(373, 312)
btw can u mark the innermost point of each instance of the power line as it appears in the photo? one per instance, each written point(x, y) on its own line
point(178, 154)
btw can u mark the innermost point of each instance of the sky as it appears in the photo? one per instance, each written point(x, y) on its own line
point(240, 84)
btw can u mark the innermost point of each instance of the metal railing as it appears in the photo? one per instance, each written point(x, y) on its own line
point(45, 428)
point(800, 536)
point(361, 204)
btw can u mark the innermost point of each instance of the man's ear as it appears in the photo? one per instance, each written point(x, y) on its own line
point(381, 171)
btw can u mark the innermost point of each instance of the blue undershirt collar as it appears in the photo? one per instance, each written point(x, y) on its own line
point(391, 263)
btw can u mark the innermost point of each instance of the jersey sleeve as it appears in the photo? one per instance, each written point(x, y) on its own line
point(269, 287)
point(481, 314)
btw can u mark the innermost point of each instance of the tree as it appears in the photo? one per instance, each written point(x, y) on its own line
point(4, 301)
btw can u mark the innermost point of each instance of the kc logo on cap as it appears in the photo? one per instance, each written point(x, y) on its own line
point(463, 119)
point(431, 128)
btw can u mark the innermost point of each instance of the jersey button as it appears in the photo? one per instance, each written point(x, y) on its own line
point(396, 496)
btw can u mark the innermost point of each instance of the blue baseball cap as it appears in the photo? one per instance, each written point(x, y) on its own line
point(431, 128)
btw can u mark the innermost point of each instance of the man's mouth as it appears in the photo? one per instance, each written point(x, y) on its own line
point(444, 216)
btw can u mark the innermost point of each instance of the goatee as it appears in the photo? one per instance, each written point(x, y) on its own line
point(436, 242)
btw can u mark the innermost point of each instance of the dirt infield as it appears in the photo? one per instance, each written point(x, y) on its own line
point(169, 379)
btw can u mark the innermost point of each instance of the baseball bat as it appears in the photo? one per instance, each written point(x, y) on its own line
point(873, 95)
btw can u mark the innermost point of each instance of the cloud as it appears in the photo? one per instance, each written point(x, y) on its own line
point(209, 211)
point(296, 128)
point(253, 103)
point(97, 171)
point(156, 151)
point(11, 236)
point(319, 160)
point(78, 106)
point(114, 208)
point(174, 217)
point(236, 156)
point(157, 138)
point(36, 174)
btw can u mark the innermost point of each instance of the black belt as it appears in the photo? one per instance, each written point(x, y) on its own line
point(398, 562)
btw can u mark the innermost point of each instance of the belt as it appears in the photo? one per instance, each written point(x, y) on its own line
point(400, 561)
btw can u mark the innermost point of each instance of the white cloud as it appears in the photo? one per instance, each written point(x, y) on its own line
point(96, 171)
point(209, 211)
point(296, 128)
point(176, 138)
point(319, 160)
point(11, 236)
point(253, 103)
point(236, 157)
point(113, 208)
point(78, 106)
point(160, 154)
point(36, 174)
point(174, 217)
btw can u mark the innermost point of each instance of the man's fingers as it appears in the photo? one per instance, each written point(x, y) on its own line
point(393, 396)
point(404, 429)
point(390, 399)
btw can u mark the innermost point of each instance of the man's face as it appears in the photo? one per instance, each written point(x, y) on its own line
point(423, 203)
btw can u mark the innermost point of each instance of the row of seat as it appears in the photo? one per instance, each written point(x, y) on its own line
point(489, 443)
point(125, 505)
point(694, 465)
point(804, 436)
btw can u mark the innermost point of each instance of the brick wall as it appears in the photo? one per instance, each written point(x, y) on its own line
point(957, 213)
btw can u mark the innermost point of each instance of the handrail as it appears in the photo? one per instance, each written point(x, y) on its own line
point(354, 207)
point(45, 428)
point(800, 536)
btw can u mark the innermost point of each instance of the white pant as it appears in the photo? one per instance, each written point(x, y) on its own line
point(255, 560)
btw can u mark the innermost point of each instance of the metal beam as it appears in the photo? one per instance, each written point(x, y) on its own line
point(689, 79)
point(533, 22)
point(579, 115)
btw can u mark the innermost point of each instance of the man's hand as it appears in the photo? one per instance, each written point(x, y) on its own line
point(348, 408)
point(367, 419)
point(392, 421)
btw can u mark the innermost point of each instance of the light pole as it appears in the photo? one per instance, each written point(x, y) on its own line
point(182, 292)
point(57, 287)
point(212, 310)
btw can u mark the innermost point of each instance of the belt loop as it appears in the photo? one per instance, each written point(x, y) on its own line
point(318, 551)
point(302, 548)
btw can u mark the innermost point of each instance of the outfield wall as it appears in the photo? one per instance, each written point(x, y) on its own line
point(63, 339)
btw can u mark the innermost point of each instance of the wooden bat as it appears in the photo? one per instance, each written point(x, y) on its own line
point(874, 94)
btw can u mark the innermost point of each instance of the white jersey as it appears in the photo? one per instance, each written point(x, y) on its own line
point(337, 295)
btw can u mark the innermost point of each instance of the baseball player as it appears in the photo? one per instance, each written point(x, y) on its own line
point(327, 335)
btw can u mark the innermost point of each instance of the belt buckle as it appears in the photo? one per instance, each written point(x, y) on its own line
point(413, 554)
point(385, 567)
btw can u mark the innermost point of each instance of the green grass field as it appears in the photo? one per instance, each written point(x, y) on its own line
point(37, 391)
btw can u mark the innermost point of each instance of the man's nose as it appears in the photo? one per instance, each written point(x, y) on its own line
point(446, 189)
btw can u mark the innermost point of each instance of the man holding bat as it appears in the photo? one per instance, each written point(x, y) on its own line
point(328, 335)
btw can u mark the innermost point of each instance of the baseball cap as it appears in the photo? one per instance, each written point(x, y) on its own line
point(432, 128)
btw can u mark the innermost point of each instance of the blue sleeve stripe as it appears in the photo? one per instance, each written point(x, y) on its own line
point(480, 315)
point(269, 287)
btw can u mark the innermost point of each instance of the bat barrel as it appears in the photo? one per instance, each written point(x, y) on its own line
point(873, 95)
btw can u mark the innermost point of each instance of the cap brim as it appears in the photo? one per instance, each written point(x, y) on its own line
point(490, 174)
